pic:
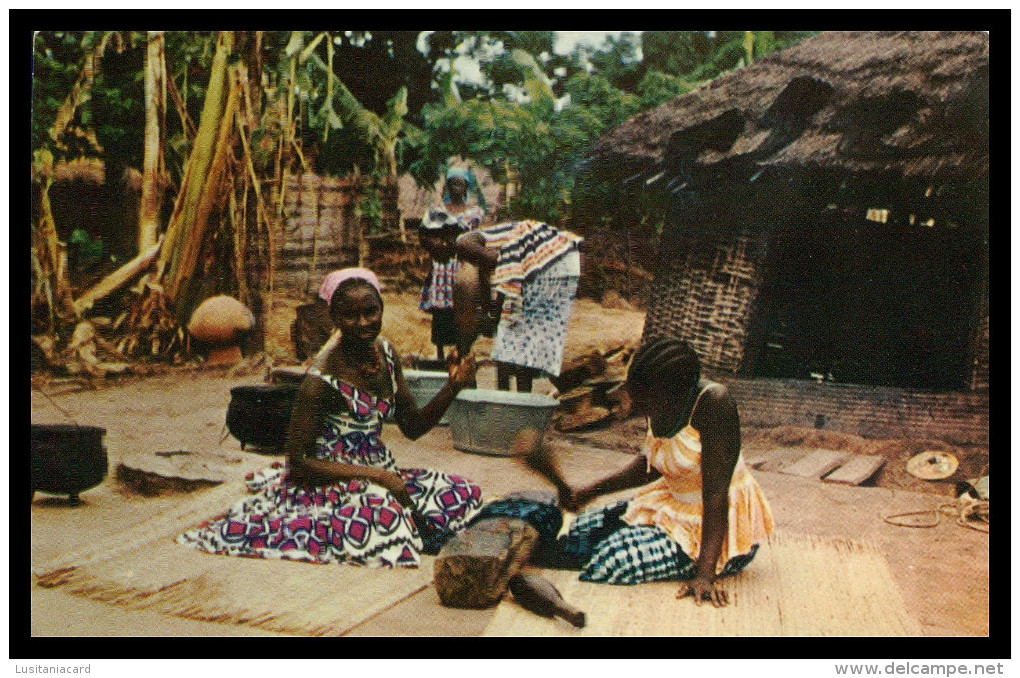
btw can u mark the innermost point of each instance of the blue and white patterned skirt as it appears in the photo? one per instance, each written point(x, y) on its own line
point(536, 336)
point(609, 551)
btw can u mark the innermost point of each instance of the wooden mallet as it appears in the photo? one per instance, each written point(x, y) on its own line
point(540, 459)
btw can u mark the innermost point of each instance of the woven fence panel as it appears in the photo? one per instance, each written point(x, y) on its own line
point(706, 296)
point(320, 229)
point(979, 378)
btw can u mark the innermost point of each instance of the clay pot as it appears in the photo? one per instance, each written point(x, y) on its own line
point(221, 321)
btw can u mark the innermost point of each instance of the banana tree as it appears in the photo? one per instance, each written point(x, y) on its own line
point(220, 207)
point(81, 92)
point(200, 186)
point(153, 164)
point(335, 107)
point(52, 286)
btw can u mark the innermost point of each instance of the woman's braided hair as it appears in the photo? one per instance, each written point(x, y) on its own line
point(664, 358)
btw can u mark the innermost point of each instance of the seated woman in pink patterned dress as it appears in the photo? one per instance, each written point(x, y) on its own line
point(342, 498)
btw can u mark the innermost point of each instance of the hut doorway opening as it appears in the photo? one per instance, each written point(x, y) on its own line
point(856, 300)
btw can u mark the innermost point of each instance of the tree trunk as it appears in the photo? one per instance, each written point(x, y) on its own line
point(199, 188)
point(52, 256)
point(255, 264)
point(155, 110)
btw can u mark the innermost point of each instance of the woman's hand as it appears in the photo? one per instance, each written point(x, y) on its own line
point(574, 500)
point(395, 484)
point(426, 528)
point(462, 371)
point(703, 588)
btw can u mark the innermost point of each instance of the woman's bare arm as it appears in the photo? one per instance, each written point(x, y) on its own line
point(479, 260)
point(415, 422)
point(305, 426)
point(471, 248)
point(634, 474)
point(718, 423)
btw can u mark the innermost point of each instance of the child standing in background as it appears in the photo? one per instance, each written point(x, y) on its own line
point(439, 230)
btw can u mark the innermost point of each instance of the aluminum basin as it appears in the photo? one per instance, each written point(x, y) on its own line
point(424, 385)
point(484, 421)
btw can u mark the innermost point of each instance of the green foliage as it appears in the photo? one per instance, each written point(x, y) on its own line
point(532, 42)
point(618, 62)
point(55, 68)
point(676, 52)
point(531, 140)
point(113, 108)
point(596, 95)
point(704, 55)
point(657, 87)
point(370, 208)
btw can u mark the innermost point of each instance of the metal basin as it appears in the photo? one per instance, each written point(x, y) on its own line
point(484, 421)
point(424, 385)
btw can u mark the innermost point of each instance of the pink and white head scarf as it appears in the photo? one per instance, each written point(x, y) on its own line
point(333, 280)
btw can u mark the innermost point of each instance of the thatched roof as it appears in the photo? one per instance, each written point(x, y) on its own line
point(911, 103)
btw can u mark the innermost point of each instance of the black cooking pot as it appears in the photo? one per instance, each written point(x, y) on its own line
point(259, 415)
point(67, 458)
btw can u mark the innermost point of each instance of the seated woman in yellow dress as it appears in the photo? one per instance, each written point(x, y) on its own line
point(699, 514)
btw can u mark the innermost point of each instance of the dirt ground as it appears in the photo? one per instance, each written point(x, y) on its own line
point(182, 408)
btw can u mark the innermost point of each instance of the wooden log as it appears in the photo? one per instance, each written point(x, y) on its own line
point(816, 464)
point(115, 280)
point(582, 419)
point(777, 460)
point(577, 400)
point(857, 470)
point(578, 370)
point(472, 569)
point(539, 595)
point(619, 401)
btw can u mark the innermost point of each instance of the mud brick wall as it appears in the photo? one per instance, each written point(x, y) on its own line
point(706, 296)
point(317, 234)
point(871, 411)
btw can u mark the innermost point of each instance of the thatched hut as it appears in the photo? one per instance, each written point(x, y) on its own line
point(825, 212)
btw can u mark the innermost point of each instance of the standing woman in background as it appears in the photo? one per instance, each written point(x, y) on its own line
point(534, 269)
point(439, 229)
